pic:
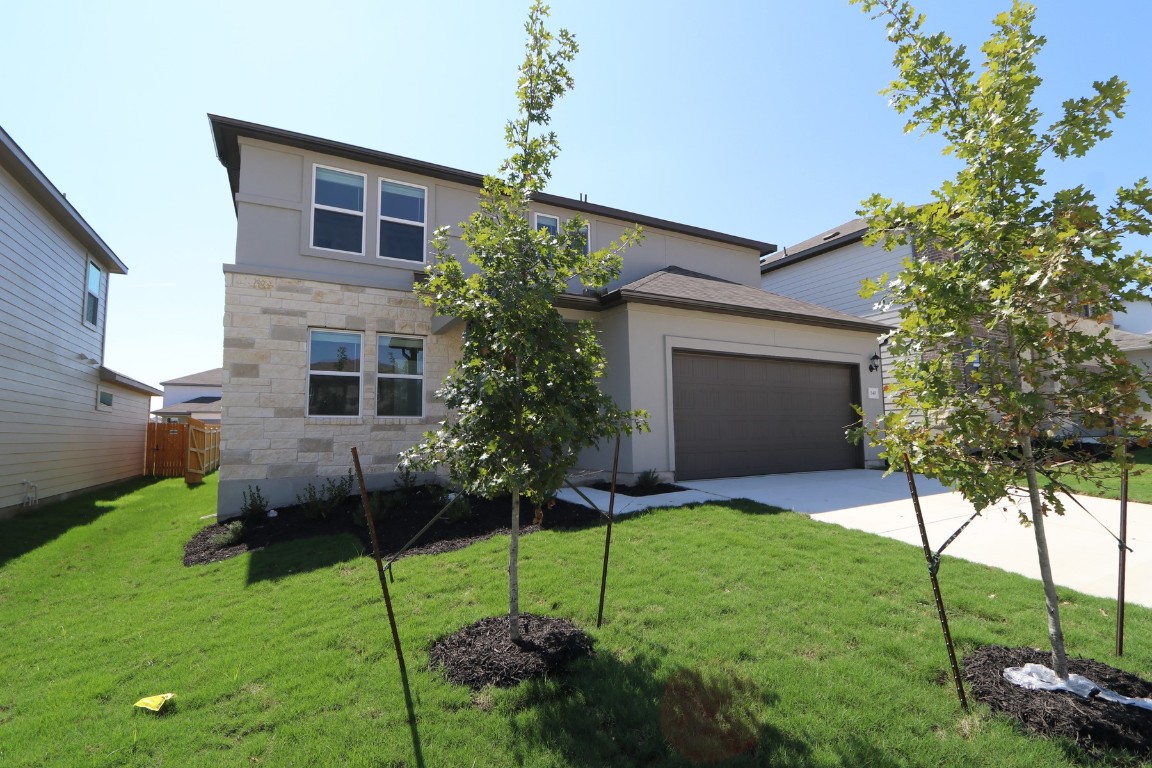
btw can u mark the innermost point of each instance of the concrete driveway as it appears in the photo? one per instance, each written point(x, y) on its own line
point(1083, 551)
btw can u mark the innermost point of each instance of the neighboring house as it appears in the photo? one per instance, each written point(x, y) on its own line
point(196, 396)
point(1136, 317)
point(67, 423)
point(327, 348)
point(828, 269)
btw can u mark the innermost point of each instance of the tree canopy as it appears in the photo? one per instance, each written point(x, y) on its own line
point(1000, 355)
point(524, 396)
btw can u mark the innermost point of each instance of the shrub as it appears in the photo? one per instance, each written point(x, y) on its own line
point(649, 478)
point(460, 508)
point(321, 502)
point(233, 533)
point(255, 506)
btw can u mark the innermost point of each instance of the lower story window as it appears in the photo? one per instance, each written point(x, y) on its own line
point(400, 376)
point(334, 373)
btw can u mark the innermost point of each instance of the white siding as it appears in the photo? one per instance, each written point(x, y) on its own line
point(174, 394)
point(51, 432)
point(833, 279)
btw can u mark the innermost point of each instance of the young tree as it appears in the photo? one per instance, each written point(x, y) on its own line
point(993, 357)
point(524, 395)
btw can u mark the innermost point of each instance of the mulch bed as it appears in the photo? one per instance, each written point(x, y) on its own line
point(482, 654)
point(395, 527)
point(1094, 724)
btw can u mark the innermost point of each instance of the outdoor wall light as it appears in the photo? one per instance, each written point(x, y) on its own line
point(874, 363)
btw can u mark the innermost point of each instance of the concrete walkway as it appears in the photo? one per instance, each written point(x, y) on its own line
point(1083, 552)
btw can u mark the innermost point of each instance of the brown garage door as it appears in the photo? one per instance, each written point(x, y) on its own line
point(738, 416)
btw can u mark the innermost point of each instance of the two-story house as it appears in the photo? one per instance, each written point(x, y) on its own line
point(67, 423)
point(326, 347)
point(195, 396)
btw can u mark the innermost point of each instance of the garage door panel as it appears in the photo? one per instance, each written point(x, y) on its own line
point(747, 415)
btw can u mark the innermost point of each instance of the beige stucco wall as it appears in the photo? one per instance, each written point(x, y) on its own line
point(639, 340)
point(266, 438)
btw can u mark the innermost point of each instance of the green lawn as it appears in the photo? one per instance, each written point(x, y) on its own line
point(1106, 480)
point(827, 639)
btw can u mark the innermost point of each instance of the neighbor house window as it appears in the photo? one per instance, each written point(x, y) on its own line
point(550, 223)
point(399, 376)
point(338, 210)
point(334, 373)
point(92, 294)
point(402, 220)
point(103, 400)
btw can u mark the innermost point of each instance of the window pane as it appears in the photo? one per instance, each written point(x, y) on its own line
point(338, 231)
point(397, 355)
point(401, 241)
point(92, 295)
point(335, 352)
point(399, 397)
point(400, 201)
point(333, 395)
point(106, 398)
point(339, 189)
point(93, 279)
point(550, 223)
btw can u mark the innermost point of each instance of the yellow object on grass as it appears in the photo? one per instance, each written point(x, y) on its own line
point(155, 703)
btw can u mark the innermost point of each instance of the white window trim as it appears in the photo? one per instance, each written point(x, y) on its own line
point(359, 375)
point(423, 348)
point(537, 216)
point(317, 206)
point(381, 218)
point(88, 266)
point(587, 237)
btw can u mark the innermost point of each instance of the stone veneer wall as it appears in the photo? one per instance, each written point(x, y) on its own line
point(266, 439)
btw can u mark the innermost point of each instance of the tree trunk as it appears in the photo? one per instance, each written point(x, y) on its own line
point(1052, 601)
point(513, 573)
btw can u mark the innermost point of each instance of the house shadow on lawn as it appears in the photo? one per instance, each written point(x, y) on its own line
point(287, 558)
point(34, 527)
point(611, 712)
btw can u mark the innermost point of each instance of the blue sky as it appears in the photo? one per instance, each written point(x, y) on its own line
point(759, 118)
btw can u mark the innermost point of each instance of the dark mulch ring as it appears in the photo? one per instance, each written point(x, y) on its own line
point(395, 527)
point(1096, 725)
point(638, 490)
point(482, 654)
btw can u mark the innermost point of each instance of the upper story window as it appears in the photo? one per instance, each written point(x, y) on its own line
point(93, 284)
point(402, 220)
point(338, 210)
point(334, 373)
point(550, 223)
point(585, 235)
point(103, 400)
point(400, 376)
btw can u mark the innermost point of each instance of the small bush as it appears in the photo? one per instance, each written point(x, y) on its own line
point(460, 508)
point(255, 506)
point(649, 478)
point(321, 502)
point(233, 533)
point(406, 483)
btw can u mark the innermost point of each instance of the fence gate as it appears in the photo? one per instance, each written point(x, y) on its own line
point(203, 451)
point(189, 450)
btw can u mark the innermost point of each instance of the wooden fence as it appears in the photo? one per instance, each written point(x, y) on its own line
point(190, 450)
